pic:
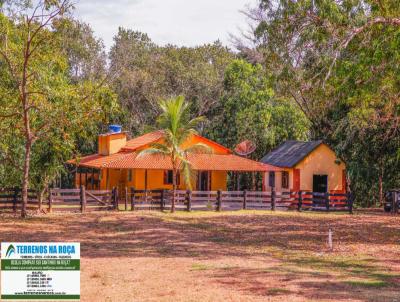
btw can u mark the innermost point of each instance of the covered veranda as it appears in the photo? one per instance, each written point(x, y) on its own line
point(154, 172)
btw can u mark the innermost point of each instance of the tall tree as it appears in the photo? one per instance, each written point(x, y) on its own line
point(87, 58)
point(145, 73)
point(252, 111)
point(338, 61)
point(38, 100)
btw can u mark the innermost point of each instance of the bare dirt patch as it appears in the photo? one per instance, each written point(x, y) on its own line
point(236, 256)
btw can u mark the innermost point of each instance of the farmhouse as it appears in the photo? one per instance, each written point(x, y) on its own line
point(117, 164)
point(307, 166)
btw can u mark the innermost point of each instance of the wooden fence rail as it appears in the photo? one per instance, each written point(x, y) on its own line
point(75, 200)
point(11, 199)
point(60, 200)
point(236, 200)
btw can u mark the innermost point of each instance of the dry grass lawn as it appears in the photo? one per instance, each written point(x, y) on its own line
point(235, 256)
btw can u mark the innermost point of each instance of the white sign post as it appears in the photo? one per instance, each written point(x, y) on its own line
point(40, 271)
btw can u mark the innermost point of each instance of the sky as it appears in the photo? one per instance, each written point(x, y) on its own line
point(179, 22)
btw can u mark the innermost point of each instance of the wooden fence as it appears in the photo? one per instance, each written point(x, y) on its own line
point(81, 200)
point(235, 200)
point(11, 199)
point(60, 200)
point(143, 200)
point(395, 202)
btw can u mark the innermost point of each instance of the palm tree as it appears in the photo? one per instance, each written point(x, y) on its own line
point(177, 126)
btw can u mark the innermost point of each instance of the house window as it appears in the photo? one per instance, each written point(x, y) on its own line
point(129, 175)
point(271, 179)
point(285, 180)
point(168, 177)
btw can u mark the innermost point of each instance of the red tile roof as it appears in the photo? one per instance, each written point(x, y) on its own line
point(153, 137)
point(97, 160)
point(127, 158)
point(143, 140)
point(207, 162)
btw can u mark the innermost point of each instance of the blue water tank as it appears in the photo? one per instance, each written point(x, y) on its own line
point(115, 128)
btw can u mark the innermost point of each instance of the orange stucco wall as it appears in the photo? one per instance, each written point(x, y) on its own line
point(218, 180)
point(111, 143)
point(155, 180)
point(322, 161)
point(278, 181)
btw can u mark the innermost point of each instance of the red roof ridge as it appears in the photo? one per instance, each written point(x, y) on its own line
point(143, 140)
point(214, 143)
point(111, 158)
point(154, 136)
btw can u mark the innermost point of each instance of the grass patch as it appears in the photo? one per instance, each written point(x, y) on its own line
point(295, 270)
point(367, 283)
point(228, 267)
point(200, 267)
point(308, 264)
point(276, 291)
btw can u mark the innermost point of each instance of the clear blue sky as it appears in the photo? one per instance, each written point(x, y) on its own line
point(180, 22)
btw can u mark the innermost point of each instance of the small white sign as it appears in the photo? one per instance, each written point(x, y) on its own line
point(40, 271)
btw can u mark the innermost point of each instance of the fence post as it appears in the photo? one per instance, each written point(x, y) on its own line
point(132, 199)
point(350, 202)
point(50, 201)
point(394, 202)
point(39, 197)
point(273, 199)
point(15, 199)
point(219, 200)
point(126, 198)
point(300, 204)
point(244, 199)
point(189, 200)
point(115, 198)
point(327, 201)
point(83, 199)
point(162, 201)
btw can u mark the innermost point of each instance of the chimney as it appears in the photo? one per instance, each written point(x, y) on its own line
point(112, 141)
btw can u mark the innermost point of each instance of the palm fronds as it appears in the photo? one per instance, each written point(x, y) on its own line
point(178, 129)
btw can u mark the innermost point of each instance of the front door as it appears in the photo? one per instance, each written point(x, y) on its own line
point(204, 181)
point(320, 183)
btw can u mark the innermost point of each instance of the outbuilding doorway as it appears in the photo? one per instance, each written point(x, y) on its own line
point(320, 183)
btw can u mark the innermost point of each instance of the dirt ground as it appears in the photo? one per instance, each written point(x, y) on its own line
point(236, 256)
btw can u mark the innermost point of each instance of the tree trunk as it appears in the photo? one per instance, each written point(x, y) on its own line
point(27, 127)
point(173, 190)
point(25, 179)
point(41, 197)
point(380, 185)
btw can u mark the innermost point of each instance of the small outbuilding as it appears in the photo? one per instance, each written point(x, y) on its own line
point(307, 166)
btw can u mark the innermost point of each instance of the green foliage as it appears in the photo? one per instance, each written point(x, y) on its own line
point(145, 73)
point(250, 110)
point(87, 58)
point(64, 107)
point(338, 60)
